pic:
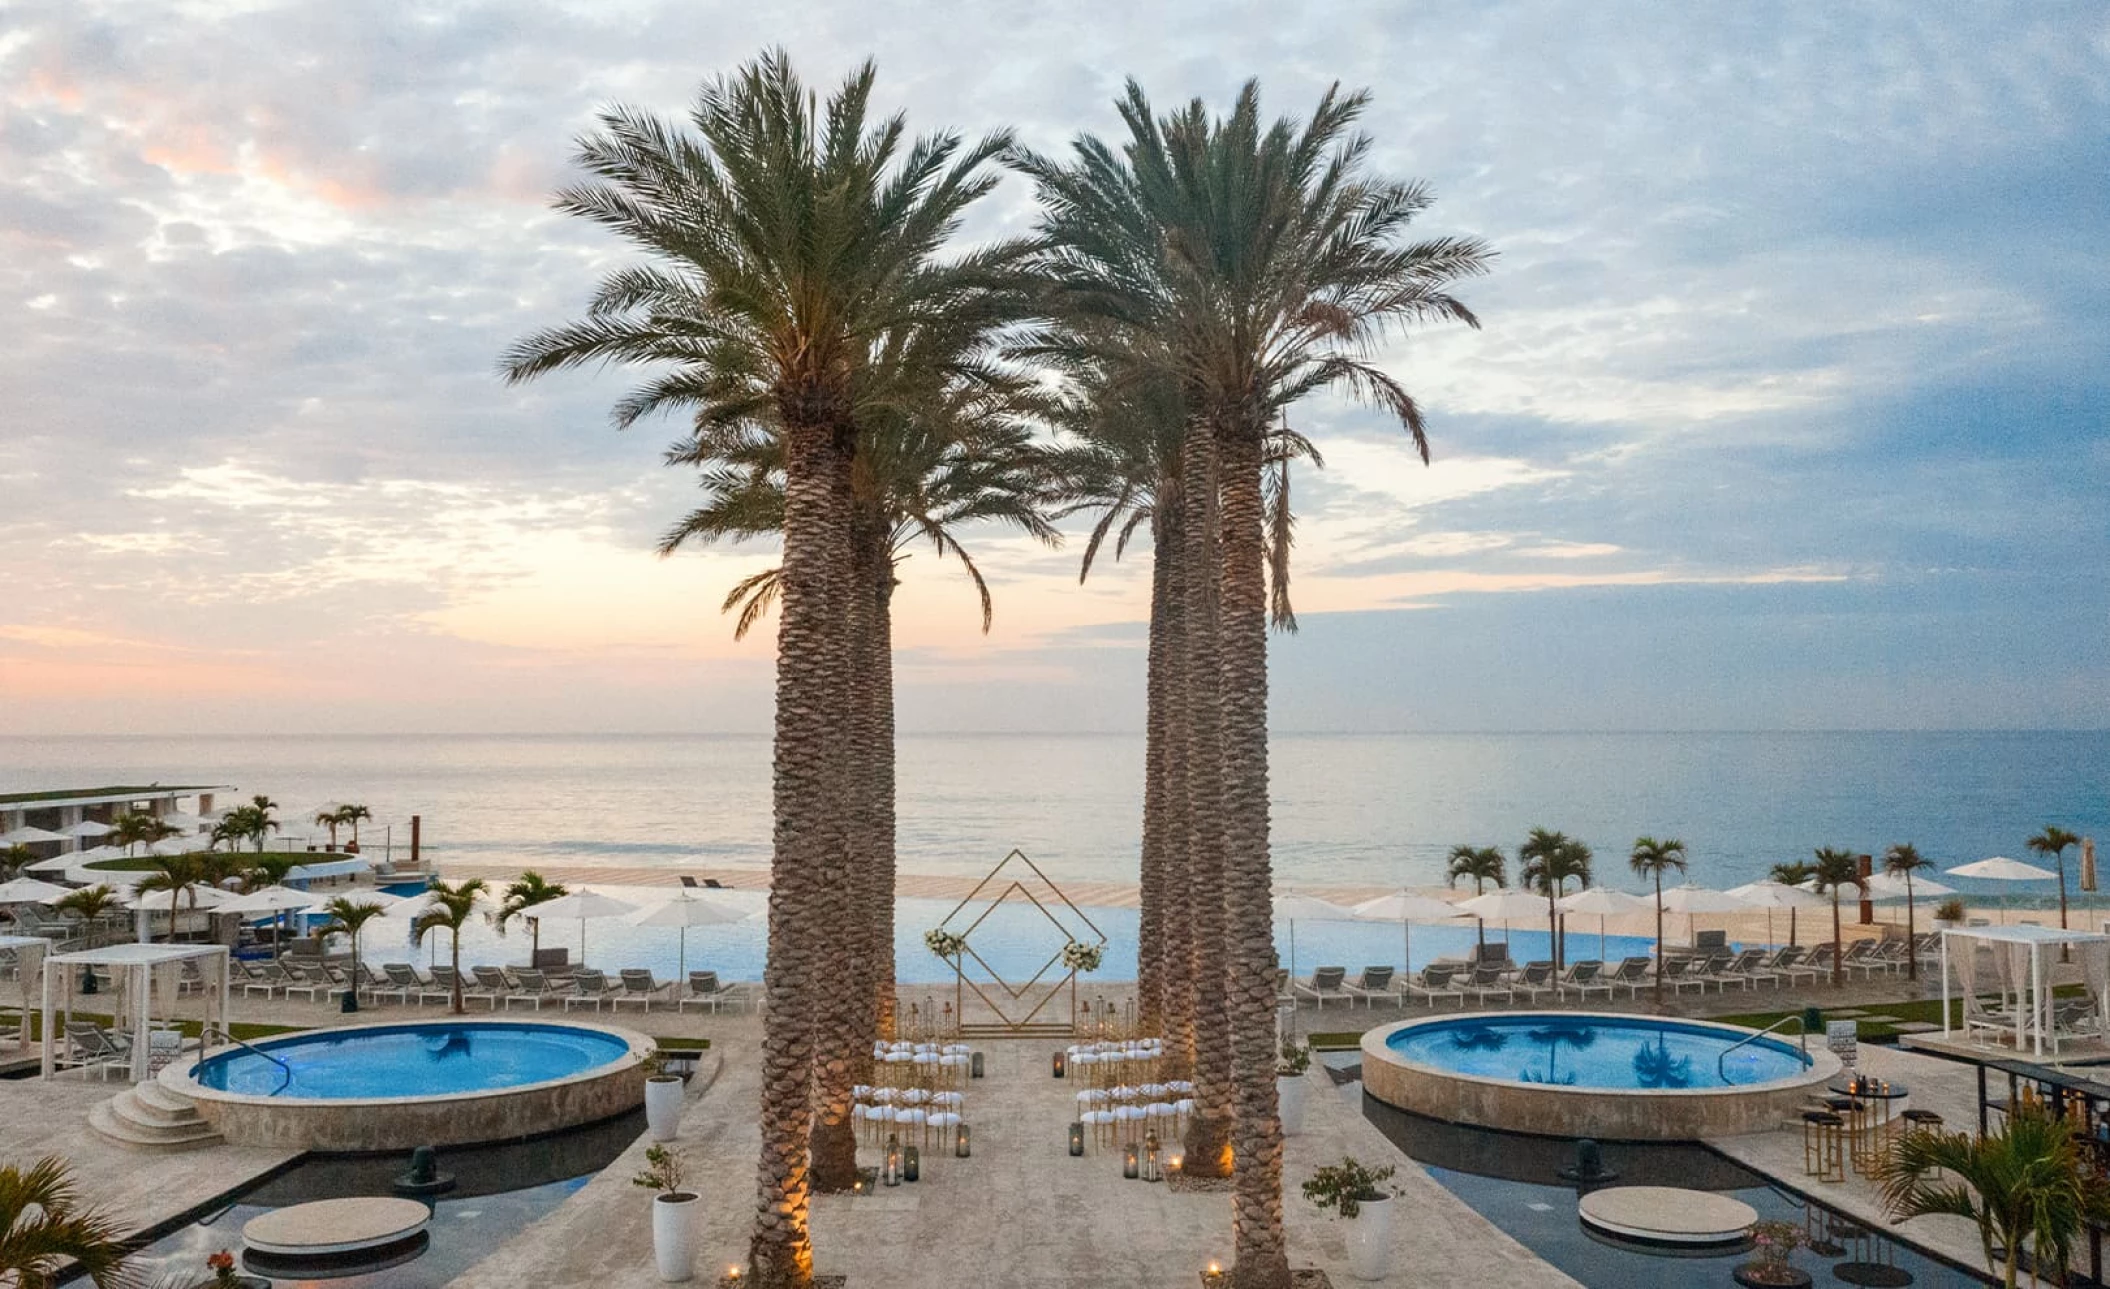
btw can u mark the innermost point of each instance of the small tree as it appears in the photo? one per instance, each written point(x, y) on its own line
point(88, 903)
point(332, 820)
point(525, 893)
point(348, 916)
point(13, 859)
point(262, 824)
point(45, 1230)
point(2052, 843)
point(449, 908)
point(180, 876)
point(1345, 1187)
point(1651, 859)
point(1794, 874)
point(1834, 870)
point(2028, 1184)
point(1483, 864)
point(1550, 861)
point(138, 828)
point(1903, 860)
point(350, 816)
point(664, 1171)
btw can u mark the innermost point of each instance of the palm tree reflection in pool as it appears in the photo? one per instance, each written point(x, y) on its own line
point(1479, 1038)
point(1551, 1037)
point(453, 1043)
point(1655, 1067)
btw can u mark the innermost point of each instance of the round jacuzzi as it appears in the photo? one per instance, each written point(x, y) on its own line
point(394, 1086)
point(1592, 1074)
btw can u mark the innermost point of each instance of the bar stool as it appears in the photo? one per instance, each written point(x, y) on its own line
point(1923, 1121)
point(1823, 1145)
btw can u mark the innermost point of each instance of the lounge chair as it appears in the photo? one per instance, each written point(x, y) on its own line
point(492, 983)
point(1678, 973)
point(638, 987)
point(265, 978)
point(705, 990)
point(92, 1047)
point(1862, 956)
point(306, 980)
point(1493, 954)
point(1533, 979)
point(444, 978)
point(1435, 982)
point(1584, 977)
point(1373, 984)
point(1634, 974)
point(1325, 983)
point(406, 978)
point(1819, 963)
point(1282, 989)
point(378, 985)
point(688, 881)
point(1489, 982)
point(589, 986)
point(1749, 969)
point(533, 988)
point(1791, 963)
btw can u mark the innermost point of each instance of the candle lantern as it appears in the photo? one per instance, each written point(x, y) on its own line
point(1153, 1170)
point(890, 1173)
point(1062, 1061)
point(1076, 1139)
point(960, 1148)
point(911, 1164)
point(974, 1064)
point(1174, 1163)
point(1129, 1167)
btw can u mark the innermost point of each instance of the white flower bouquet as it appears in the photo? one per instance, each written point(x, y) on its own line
point(944, 943)
point(1078, 956)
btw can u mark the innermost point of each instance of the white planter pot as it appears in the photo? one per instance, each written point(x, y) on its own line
point(674, 1235)
point(1370, 1240)
point(663, 1096)
point(1290, 1093)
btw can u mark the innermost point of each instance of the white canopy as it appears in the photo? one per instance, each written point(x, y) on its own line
point(56, 864)
point(88, 828)
point(2018, 960)
point(26, 834)
point(1997, 869)
point(137, 962)
point(28, 890)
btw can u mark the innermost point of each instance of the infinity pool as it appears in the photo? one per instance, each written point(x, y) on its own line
point(1594, 1052)
point(411, 1061)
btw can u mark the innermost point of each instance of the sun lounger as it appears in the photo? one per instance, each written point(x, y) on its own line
point(638, 987)
point(1490, 982)
point(1790, 963)
point(1492, 954)
point(589, 987)
point(265, 978)
point(1282, 989)
point(533, 988)
point(1678, 975)
point(1325, 983)
point(1860, 956)
point(1583, 977)
point(1373, 984)
point(92, 1047)
point(1749, 969)
point(1534, 979)
point(444, 978)
point(1435, 982)
point(492, 983)
point(305, 980)
point(1632, 974)
point(705, 990)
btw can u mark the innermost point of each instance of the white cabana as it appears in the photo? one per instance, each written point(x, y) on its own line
point(1406, 908)
point(2025, 990)
point(1288, 908)
point(28, 951)
point(684, 911)
point(135, 966)
point(1604, 902)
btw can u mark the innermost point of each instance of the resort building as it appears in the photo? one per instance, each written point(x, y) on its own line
point(61, 820)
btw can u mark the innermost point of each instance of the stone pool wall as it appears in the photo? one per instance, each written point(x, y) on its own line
point(399, 1123)
point(1608, 1114)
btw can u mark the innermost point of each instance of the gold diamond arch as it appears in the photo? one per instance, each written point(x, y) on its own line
point(1017, 880)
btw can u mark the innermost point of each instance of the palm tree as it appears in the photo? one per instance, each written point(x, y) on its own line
point(2053, 843)
point(1651, 859)
point(1903, 860)
point(348, 916)
point(1253, 265)
point(1792, 874)
point(44, 1230)
point(267, 870)
point(1834, 870)
point(180, 876)
point(14, 857)
point(1483, 864)
point(260, 822)
point(138, 828)
point(449, 908)
point(89, 903)
point(351, 814)
point(526, 891)
point(332, 820)
point(2029, 1184)
point(789, 244)
point(1548, 862)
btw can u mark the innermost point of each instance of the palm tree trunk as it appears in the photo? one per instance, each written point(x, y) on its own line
point(1208, 1144)
point(880, 678)
point(535, 944)
point(1177, 929)
point(1912, 957)
point(1659, 939)
point(1838, 966)
point(454, 956)
point(841, 996)
point(1150, 930)
point(806, 842)
point(1261, 1257)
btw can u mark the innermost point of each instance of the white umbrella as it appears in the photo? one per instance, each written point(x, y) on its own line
point(26, 834)
point(1288, 908)
point(1889, 886)
point(1504, 904)
point(684, 911)
point(1405, 907)
point(178, 845)
point(1604, 902)
point(205, 897)
point(57, 863)
point(28, 890)
point(88, 828)
point(1997, 869)
point(581, 905)
point(1769, 895)
point(179, 819)
point(1692, 900)
point(269, 899)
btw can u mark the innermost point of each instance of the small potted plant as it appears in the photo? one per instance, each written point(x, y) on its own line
point(1949, 913)
point(1363, 1197)
point(225, 1274)
point(673, 1214)
point(663, 1095)
point(1290, 1088)
point(1771, 1243)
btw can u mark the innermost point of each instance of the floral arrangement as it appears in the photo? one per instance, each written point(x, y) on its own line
point(221, 1265)
point(944, 943)
point(1079, 956)
point(1774, 1241)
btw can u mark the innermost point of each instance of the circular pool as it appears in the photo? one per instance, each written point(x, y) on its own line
point(394, 1086)
point(1592, 1074)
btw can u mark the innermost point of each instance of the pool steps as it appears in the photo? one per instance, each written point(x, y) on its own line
point(152, 1117)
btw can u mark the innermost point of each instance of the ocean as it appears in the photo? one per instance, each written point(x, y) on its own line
point(1351, 810)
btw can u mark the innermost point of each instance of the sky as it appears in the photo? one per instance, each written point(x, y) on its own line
point(1788, 411)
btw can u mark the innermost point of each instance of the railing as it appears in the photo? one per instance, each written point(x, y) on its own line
point(285, 1070)
point(1802, 1032)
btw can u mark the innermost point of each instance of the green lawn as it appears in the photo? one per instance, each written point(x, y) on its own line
point(190, 1028)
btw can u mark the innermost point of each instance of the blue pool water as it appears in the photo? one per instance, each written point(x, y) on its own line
point(413, 1060)
point(1585, 1052)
